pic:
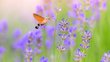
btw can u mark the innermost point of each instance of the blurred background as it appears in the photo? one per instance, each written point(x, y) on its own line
point(18, 11)
point(16, 20)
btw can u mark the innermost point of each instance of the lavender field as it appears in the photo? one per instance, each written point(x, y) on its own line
point(75, 31)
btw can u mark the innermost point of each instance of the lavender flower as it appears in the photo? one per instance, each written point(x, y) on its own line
point(70, 14)
point(64, 25)
point(38, 34)
point(61, 48)
point(87, 4)
point(38, 38)
point(17, 33)
point(77, 9)
point(48, 44)
point(63, 29)
point(2, 51)
point(104, 5)
point(47, 4)
point(43, 59)
point(86, 39)
point(28, 55)
point(20, 44)
point(67, 43)
point(50, 31)
point(94, 4)
point(106, 57)
point(28, 49)
point(3, 26)
point(72, 32)
point(87, 36)
point(67, 35)
point(39, 10)
point(63, 36)
point(37, 51)
point(50, 15)
point(79, 55)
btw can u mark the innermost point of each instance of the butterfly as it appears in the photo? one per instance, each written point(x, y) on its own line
point(41, 20)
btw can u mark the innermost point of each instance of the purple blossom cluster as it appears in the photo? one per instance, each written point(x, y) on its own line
point(3, 26)
point(17, 33)
point(3, 32)
point(30, 43)
point(2, 50)
point(44, 59)
point(67, 35)
point(46, 10)
point(106, 57)
point(79, 11)
point(50, 30)
point(28, 48)
point(86, 39)
point(79, 55)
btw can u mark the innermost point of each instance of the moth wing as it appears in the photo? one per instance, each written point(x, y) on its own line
point(38, 18)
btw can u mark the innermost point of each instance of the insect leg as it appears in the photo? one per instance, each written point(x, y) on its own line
point(38, 24)
point(42, 24)
point(36, 27)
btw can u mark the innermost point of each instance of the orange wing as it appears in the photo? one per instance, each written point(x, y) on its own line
point(39, 18)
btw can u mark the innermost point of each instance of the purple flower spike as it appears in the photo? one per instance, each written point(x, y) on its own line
point(106, 57)
point(38, 34)
point(2, 50)
point(28, 55)
point(72, 29)
point(87, 36)
point(64, 25)
point(3, 26)
point(37, 51)
point(70, 14)
point(72, 32)
point(67, 43)
point(79, 55)
point(61, 48)
point(21, 43)
point(43, 59)
point(48, 44)
point(28, 39)
point(51, 15)
point(86, 39)
point(39, 10)
point(85, 45)
point(50, 31)
point(28, 48)
point(31, 36)
point(104, 5)
point(17, 33)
